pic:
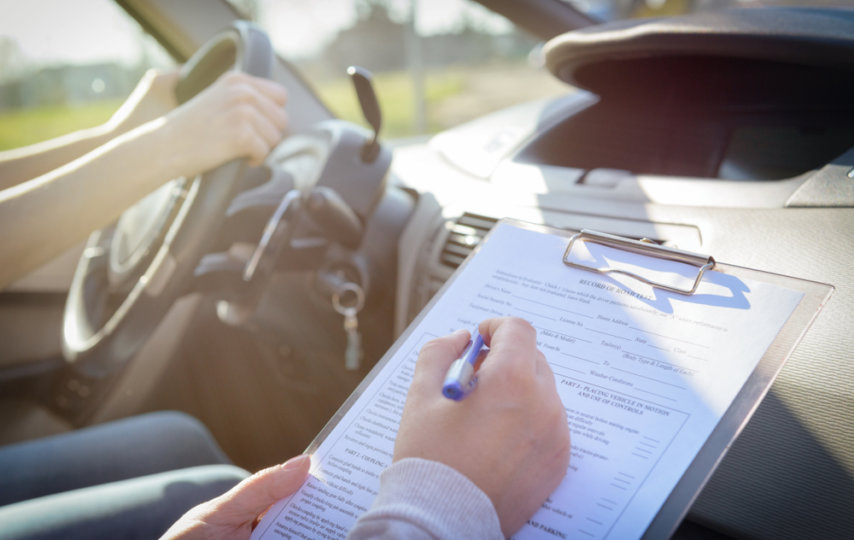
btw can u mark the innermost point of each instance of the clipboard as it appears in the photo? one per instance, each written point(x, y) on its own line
point(815, 296)
point(702, 464)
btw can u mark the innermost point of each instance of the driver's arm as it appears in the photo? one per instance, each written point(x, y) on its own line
point(153, 96)
point(238, 116)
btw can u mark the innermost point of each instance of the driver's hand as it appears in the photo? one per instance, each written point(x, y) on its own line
point(509, 436)
point(153, 96)
point(237, 116)
point(235, 513)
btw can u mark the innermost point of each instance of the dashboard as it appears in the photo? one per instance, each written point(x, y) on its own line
point(747, 159)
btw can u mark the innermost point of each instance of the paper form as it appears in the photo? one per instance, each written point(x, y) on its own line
point(644, 375)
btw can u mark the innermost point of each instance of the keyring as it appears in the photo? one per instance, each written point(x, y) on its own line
point(352, 288)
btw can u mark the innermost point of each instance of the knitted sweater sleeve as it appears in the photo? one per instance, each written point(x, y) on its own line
point(419, 498)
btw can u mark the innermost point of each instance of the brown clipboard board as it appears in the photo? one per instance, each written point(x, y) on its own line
point(814, 296)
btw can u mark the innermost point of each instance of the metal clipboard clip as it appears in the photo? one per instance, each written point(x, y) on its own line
point(641, 247)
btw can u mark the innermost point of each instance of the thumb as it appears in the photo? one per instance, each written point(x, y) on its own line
point(255, 494)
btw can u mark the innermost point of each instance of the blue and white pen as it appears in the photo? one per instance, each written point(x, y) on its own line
point(461, 379)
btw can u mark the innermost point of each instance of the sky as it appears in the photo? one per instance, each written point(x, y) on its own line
point(319, 20)
point(45, 31)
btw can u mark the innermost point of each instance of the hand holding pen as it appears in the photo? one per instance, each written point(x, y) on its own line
point(510, 437)
point(462, 377)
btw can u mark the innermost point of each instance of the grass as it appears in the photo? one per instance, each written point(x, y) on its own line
point(27, 126)
point(394, 91)
point(396, 95)
point(452, 94)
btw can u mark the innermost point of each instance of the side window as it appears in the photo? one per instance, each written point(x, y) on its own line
point(66, 66)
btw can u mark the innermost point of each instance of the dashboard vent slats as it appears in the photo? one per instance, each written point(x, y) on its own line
point(464, 235)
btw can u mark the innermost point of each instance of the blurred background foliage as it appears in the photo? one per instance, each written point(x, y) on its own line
point(437, 63)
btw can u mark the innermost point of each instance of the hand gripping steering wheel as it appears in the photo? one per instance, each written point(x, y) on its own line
point(131, 273)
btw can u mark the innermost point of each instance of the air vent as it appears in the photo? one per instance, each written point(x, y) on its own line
point(464, 235)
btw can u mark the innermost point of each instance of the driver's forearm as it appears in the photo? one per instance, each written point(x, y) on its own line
point(45, 216)
point(23, 164)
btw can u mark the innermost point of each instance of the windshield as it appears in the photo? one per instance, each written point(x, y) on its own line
point(61, 71)
point(436, 64)
point(606, 10)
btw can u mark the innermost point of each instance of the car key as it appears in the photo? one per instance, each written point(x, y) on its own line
point(348, 301)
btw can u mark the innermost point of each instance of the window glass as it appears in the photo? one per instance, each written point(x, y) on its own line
point(66, 65)
point(605, 10)
point(436, 63)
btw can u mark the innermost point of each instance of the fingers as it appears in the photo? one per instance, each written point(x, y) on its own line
point(254, 495)
point(266, 96)
point(258, 110)
point(510, 340)
point(257, 138)
point(271, 90)
point(508, 332)
point(274, 91)
point(437, 355)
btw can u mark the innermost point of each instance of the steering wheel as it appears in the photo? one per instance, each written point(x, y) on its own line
point(130, 273)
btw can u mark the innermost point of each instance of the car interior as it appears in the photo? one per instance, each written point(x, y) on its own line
point(257, 298)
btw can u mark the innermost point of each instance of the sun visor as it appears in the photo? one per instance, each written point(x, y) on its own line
point(648, 55)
